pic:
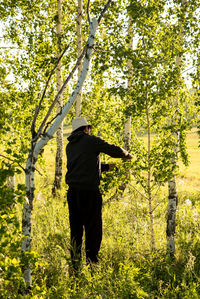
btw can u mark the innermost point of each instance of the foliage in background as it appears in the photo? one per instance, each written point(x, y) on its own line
point(10, 242)
point(127, 268)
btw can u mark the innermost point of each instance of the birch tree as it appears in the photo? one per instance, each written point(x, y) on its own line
point(152, 83)
point(44, 134)
point(172, 187)
point(59, 133)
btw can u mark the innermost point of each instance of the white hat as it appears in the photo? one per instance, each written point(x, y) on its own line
point(79, 122)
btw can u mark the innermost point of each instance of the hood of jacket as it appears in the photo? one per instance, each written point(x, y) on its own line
point(76, 136)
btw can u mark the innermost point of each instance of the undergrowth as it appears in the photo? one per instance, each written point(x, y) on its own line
point(127, 267)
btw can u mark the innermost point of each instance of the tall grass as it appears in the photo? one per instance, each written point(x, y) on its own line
point(127, 267)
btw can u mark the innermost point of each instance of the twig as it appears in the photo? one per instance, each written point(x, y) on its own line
point(49, 122)
point(38, 171)
point(156, 206)
point(13, 161)
point(104, 10)
point(190, 68)
point(88, 12)
point(4, 47)
point(138, 191)
point(44, 92)
point(110, 198)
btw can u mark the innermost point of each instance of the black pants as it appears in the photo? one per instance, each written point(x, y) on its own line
point(85, 208)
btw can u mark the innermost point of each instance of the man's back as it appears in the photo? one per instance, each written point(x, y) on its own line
point(83, 159)
point(82, 162)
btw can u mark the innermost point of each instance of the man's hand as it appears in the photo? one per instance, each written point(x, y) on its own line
point(112, 166)
point(128, 157)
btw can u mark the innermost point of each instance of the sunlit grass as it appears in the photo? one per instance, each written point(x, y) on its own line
point(190, 175)
point(127, 268)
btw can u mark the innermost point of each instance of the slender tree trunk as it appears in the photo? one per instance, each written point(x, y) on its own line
point(59, 133)
point(149, 195)
point(127, 128)
point(172, 200)
point(79, 49)
point(171, 219)
point(127, 125)
point(11, 182)
point(127, 134)
point(26, 217)
point(172, 191)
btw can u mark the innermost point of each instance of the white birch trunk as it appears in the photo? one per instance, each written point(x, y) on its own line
point(36, 149)
point(171, 219)
point(79, 49)
point(59, 133)
point(172, 191)
point(127, 134)
point(27, 214)
point(11, 182)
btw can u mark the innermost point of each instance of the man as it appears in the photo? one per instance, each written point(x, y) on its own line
point(83, 178)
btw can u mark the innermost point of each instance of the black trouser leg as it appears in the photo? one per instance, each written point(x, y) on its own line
point(76, 228)
point(85, 210)
point(93, 228)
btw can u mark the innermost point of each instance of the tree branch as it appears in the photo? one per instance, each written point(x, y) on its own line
point(59, 93)
point(104, 10)
point(190, 68)
point(12, 160)
point(143, 195)
point(37, 109)
point(88, 13)
point(49, 122)
point(68, 78)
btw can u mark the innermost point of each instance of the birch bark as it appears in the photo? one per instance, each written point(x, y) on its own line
point(127, 134)
point(26, 216)
point(11, 182)
point(59, 133)
point(172, 190)
point(79, 49)
point(171, 217)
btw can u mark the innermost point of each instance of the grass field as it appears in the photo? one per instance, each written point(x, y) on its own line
point(190, 176)
point(127, 268)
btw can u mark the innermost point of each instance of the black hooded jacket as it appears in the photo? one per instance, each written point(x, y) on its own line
point(83, 163)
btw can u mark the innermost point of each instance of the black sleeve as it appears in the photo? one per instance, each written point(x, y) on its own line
point(104, 167)
point(112, 150)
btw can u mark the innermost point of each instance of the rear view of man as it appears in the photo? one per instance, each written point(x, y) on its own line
point(83, 177)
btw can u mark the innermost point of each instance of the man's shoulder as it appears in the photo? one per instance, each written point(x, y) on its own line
point(95, 139)
point(92, 140)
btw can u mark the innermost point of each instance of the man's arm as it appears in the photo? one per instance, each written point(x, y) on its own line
point(112, 150)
